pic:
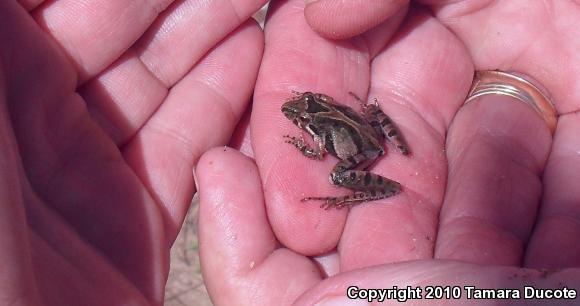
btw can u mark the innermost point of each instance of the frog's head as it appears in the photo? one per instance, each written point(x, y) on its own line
point(296, 108)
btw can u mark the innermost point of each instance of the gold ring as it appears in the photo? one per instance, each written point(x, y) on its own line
point(512, 84)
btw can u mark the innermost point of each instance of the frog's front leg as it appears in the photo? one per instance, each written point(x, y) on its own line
point(305, 149)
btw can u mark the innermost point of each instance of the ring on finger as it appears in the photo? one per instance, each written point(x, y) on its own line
point(517, 86)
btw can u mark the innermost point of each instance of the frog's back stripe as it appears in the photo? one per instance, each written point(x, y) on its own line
point(314, 107)
point(351, 114)
point(352, 119)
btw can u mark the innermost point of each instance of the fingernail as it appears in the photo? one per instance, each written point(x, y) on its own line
point(341, 301)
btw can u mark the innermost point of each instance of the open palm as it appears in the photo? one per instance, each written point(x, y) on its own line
point(487, 189)
point(106, 106)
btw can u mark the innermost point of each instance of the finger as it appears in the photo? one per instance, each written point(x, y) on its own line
point(238, 250)
point(124, 96)
point(539, 46)
point(424, 281)
point(241, 140)
point(58, 252)
point(420, 88)
point(111, 25)
point(30, 4)
point(494, 181)
point(62, 259)
point(17, 277)
point(345, 19)
point(200, 112)
point(554, 241)
point(551, 67)
point(530, 49)
point(195, 27)
point(69, 162)
point(116, 25)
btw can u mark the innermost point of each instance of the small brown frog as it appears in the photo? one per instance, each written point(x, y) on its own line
point(355, 139)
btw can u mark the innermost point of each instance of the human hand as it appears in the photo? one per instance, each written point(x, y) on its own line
point(481, 198)
point(106, 106)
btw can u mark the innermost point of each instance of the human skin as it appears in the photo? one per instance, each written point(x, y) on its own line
point(105, 106)
point(489, 194)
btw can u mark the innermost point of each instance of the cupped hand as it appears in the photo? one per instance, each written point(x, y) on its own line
point(106, 106)
point(488, 194)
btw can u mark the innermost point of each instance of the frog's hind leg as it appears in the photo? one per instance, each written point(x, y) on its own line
point(361, 180)
point(369, 186)
point(360, 161)
point(352, 199)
